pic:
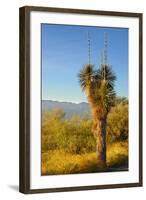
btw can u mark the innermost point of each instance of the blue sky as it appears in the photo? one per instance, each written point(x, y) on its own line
point(65, 51)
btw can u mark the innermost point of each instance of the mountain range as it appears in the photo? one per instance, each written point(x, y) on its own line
point(70, 109)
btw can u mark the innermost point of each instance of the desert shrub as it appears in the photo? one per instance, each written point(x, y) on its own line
point(117, 123)
point(51, 124)
point(77, 136)
point(72, 135)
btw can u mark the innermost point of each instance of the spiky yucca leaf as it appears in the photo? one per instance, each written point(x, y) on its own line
point(105, 93)
point(105, 72)
point(105, 96)
point(86, 76)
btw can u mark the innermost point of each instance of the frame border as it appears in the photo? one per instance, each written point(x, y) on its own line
point(24, 98)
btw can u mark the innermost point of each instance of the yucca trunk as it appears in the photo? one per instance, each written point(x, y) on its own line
point(99, 132)
point(98, 127)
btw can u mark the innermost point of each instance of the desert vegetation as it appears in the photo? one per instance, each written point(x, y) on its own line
point(69, 146)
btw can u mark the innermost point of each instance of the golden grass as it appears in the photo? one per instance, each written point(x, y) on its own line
point(117, 155)
point(59, 162)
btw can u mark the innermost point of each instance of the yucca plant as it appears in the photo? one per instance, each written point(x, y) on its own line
point(98, 86)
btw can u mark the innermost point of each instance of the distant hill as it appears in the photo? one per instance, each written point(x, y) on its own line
point(81, 109)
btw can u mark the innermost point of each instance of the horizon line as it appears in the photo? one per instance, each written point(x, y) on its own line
point(76, 102)
point(63, 101)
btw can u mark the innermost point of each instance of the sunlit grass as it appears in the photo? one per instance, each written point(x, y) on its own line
point(60, 162)
point(117, 155)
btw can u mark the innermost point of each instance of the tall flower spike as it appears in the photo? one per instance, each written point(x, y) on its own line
point(89, 47)
point(105, 47)
point(101, 58)
point(105, 51)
